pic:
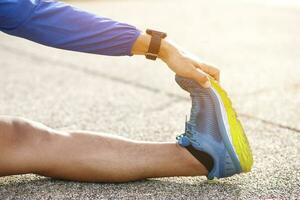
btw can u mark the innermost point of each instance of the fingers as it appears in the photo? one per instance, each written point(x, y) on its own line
point(190, 71)
point(212, 71)
point(201, 77)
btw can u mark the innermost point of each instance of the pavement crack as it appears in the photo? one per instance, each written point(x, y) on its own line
point(74, 67)
point(71, 66)
point(270, 122)
point(293, 87)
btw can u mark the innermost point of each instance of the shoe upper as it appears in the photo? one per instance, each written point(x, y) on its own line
point(203, 130)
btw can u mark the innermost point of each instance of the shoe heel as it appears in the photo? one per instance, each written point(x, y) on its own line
point(229, 167)
point(224, 168)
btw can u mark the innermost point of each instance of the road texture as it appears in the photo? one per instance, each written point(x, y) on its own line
point(256, 46)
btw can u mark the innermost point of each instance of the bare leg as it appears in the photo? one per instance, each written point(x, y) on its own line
point(30, 147)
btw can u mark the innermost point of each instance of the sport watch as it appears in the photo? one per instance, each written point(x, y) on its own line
point(154, 46)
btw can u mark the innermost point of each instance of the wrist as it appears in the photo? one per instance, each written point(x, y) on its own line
point(141, 46)
point(167, 50)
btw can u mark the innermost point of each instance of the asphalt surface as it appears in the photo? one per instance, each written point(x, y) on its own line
point(256, 46)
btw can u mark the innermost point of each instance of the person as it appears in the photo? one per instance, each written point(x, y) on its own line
point(31, 147)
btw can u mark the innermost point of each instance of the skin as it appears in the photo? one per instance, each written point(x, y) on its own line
point(182, 63)
point(30, 147)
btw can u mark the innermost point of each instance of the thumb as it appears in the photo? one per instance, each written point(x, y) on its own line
point(201, 77)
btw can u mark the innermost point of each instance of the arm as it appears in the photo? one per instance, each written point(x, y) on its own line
point(62, 26)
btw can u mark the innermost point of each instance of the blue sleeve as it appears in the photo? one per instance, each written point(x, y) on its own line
point(60, 25)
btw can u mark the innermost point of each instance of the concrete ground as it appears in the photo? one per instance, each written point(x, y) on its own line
point(255, 44)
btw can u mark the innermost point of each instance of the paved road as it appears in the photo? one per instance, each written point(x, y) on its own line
point(256, 45)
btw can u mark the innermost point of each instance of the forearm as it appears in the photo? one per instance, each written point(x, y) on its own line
point(60, 25)
point(141, 45)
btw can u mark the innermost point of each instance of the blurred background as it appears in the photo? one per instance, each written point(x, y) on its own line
point(254, 43)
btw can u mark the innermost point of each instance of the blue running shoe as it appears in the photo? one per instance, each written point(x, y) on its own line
point(214, 128)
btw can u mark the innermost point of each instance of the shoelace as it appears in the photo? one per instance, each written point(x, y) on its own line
point(183, 138)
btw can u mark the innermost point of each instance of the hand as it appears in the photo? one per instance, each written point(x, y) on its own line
point(187, 65)
point(180, 62)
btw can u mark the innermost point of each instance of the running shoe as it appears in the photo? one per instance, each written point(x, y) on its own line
point(214, 128)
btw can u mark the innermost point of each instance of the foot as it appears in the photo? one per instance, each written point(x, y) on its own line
point(214, 128)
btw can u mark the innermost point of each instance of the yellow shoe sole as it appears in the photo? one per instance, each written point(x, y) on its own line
point(238, 136)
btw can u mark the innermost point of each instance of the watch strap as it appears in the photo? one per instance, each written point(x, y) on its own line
point(155, 43)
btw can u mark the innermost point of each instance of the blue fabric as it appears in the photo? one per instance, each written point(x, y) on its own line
point(60, 25)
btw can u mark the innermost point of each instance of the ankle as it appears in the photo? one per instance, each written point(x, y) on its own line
point(192, 163)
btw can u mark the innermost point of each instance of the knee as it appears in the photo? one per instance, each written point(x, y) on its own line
point(12, 132)
point(18, 132)
point(20, 145)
